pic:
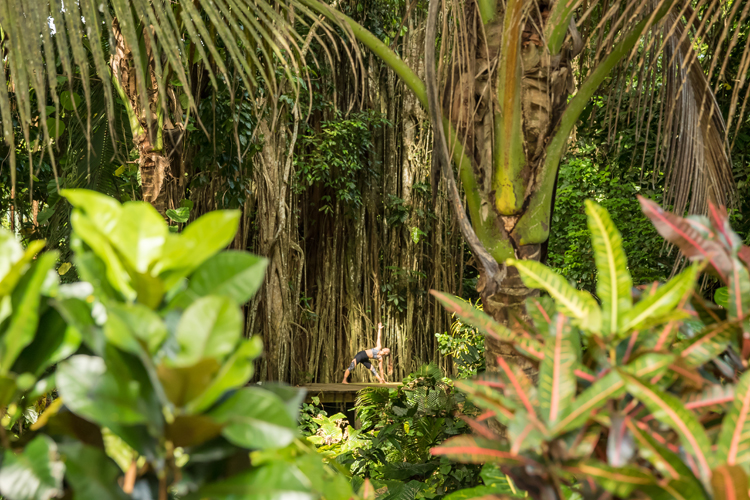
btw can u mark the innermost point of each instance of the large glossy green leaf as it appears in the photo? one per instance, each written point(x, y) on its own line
point(235, 372)
point(54, 341)
point(475, 450)
point(237, 275)
point(36, 473)
point(103, 211)
point(557, 381)
point(608, 387)
point(577, 304)
point(733, 446)
point(488, 326)
point(201, 239)
point(662, 302)
point(209, 328)
point(729, 482)
point(140, 235)
point(274, 481)
point(669, 410)
point(708, 344)
point(11, 252)
point(620, 481)
point(91, 473)
point(130, 326)
point(19, 267)
point(93, 391)
point(613, 278)
point(25, 302)
point(255, 418)
point(116, 273)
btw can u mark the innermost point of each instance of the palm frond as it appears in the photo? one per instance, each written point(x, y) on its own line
point(43, 39)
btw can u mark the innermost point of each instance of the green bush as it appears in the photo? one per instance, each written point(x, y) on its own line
point(644, 394)
point(465, 345)
point(149, 363)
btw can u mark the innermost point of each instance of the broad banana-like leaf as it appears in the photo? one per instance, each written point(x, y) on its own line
point(670, 411)
point(729, 482)
point(577, 304)
point(488, 326)
point(557, 380)
point(733, 446)
point(661, 302)
point(613, 278)
point(708, 344)
point(608, 387)
point(620, 481)
point(687, 238)
point(474, 450)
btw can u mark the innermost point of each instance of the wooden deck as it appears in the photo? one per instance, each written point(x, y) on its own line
point(339, 393)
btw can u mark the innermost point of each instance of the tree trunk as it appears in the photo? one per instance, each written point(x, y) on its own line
point(147, 128)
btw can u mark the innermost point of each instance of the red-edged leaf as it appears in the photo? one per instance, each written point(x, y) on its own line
point(744, 254)
point(670, 411)
point(708, 344)
point(620, 481)
point(474, 450)
point(720, 221)
point(679, 481)
point(487, 398)
point(733, 446)
point(729, 482)
point(519, 386)
point(557, 381)
point(488, 326)
point(609, 387)
point(687, 238)
point(711, 396)
point(738, 304)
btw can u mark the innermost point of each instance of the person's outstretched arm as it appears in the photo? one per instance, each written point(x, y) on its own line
point(380, 331)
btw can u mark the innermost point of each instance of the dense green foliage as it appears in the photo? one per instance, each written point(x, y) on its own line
point(594, 422)
point(465, 346)
point(149, 364)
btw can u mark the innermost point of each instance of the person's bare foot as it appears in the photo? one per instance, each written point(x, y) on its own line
point(345, 382)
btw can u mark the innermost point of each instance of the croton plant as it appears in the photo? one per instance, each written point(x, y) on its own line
point(641, 392)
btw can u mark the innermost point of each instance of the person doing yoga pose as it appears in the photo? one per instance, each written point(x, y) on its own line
point(363, 358)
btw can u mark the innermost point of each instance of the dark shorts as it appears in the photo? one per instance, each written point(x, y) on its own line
point(361, 359)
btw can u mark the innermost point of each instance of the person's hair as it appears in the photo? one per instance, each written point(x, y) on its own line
point(385, 349)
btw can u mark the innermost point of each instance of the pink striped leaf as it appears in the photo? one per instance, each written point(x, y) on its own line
point(691, 241)
point(733, 446)
point(669, 410)
point(557, 380)
point(620, 481)
point(708, 344)
point(473, 450)
point(729, 482)
point(488, 326)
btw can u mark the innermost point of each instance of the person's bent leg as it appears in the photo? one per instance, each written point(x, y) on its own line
point(348, 371)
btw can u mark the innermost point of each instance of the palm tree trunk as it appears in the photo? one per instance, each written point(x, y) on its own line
point(144, 114)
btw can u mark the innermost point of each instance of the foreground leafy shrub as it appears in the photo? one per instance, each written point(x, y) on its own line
point(641, 393)
point(399, 426)
point(153, 367)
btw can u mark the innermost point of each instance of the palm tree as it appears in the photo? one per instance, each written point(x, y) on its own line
point(499, 103)
point(498, 92)
point(149, 50)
